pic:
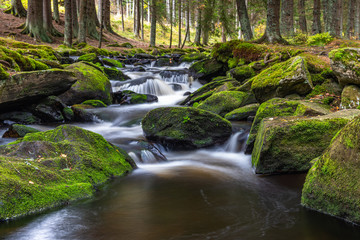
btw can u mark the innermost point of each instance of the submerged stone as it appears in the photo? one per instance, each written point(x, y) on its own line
point(185, 127)
point(332, 184)
point(282, 79)
point(288, 144)
point(63, 165)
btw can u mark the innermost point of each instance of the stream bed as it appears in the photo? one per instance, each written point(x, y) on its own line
point(202, 194)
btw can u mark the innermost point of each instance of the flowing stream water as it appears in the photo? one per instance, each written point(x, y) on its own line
point(202, 194)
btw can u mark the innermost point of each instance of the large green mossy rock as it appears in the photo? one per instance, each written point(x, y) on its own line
point(282, 79)
point(288, 144)
point(52, 168)
point(91, 84)
point(18, 130)
point(350, 97)
point(216, 85)
point(224, 102)
point(206, 69)
point(27, 87)
point(283, 107)
point(346, 66)
point(185, 127)
point(242, 113)
point(332, 184)
point(242, 73)
point(114, 73)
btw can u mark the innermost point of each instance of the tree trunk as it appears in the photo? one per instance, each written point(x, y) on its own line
point(272, 31)
point(302, 16)
point(106, 18)
point(34, 21)
point(92, 13)
point(102, 14)
point(142, 20)
point(336, 22)
point(198, 27)
point(48, 19)
point(153, 23)
point(75, 22)
point(17, 9)
point(351, 18)
point(244, 19)
point(122, 15)
point(188, 21)
point(138, 17)
point(357, 20)
point(82, 21)
point(68, 23)
point(316, 27)
point(171, 22)
point(325, 7)
point(287, 18)
point(179, 16)
point(91, 19)
point(56, 14)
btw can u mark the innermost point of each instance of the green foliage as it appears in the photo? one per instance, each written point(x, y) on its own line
point(299, 39)
point(89, 57)
point(94, 103)
point(3, 74)
point(320, 39)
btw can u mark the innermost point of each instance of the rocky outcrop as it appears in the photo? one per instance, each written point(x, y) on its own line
point(52, 168)
point(332, 184)
point(288, 144)
point(91, 84)
point(345, 64)
point(350, 97)
point(185, 128)
point(28, 87)
point(207, 69)
point(282, 79)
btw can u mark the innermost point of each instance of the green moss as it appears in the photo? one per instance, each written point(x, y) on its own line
point(68, 113)
point(68, 164)
point(112, 62)
point(126, 45)
point(242, 113)
point(3, 74)
point(320, 39)
point(193, 57)
point(224, 102)
point(315, 63)
point(242, 73)
point(94, 103)
point(90, 57)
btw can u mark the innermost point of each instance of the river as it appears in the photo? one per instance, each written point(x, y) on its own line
point(203, 194)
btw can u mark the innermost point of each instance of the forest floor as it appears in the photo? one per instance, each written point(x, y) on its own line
point(9, 27)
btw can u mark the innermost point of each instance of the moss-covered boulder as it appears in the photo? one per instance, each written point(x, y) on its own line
point(216, 85)
point(20, 117)
point(282, 79)
point(288, 144)
point(51, 109)
point(94, 103)
point(242, 73)
point(242, 113)
point(192, 57)
point(27, 87)
point(3, 74)
point(126, 45)
point(332, 184)
point(207, 69)
point(114, 73)
point(283, 107)
point(112, 62)
point(346, 66)
point(91, 84)
point(350, 97)
point(185, 127)
point(18, 130)
point(224, 102)
point(89, 57)
point(64, 164)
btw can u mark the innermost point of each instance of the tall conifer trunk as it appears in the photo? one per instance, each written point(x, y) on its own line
point(287, 18)
point(17, 9)
point(68, 24)
point(316, 27)
point(244, 19)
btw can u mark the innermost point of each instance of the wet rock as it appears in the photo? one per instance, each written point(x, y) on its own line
point(130, 97)
point(332, 184)
point(143, 56)
point(243, 113)
point(17, 130)
point(282, 79)
point(91, 84)
point(345, 65)
point(55, 167)
point(288, 144)
point(350, 97)
point(207, 69)
point(138, 69)
point(19, 117)
point(185, 128)
point(115, 74)
point(226, 101)
point(28, 87)
point(80, 114)
point(192, 57)
point(166, 62)
point(89, 57)
point(50, 109)
point(242, 73)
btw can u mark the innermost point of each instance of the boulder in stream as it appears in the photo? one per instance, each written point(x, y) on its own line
point(282, 79)
point(18, 130)
point(185, 127)
point(91, 84)
point(52, 168)
point(288, 144)
point(243, 113)
point(130, 97)
point(28, 87)
point(332, 184)
point(207, 69)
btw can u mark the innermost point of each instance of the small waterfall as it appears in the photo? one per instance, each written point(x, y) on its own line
point(174, 76)
point(145, 86)
point(236, 143)
point(148, 157)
